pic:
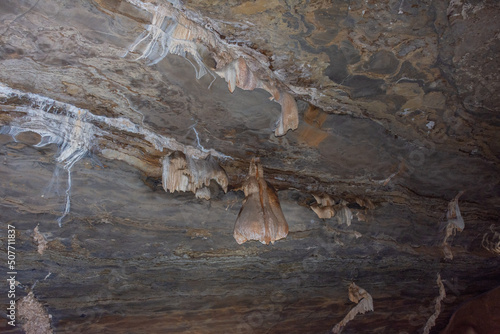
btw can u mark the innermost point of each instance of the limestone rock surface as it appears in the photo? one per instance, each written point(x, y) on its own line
point(390, 107)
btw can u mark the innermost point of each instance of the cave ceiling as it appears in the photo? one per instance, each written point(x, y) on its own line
point(250, 166)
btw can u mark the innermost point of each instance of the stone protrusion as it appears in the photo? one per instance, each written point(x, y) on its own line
point(238, 74)
point(359, 296)
point(323, 206)
point(181, 173)
point(260, 217)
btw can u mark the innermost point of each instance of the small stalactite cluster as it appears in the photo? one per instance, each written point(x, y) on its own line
point(71, 131)
point(364, 303)
point(323, 206)
point(181, 173)
point(260, 217)
point(167, 34)
point(239, 74)
point(79, 133)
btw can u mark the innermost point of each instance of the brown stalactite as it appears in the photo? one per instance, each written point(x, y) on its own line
point(260, 217)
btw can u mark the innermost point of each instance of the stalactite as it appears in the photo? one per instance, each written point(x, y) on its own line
point(203, 193)
point(181, 173)
point(365, 203)
point(166, 35)
point(323, 206)
point(453, 214)
point(359, 296)
point(170, 32)
point(260, 217)
point(239, 74)
point(289, 118)
point(52, 120)
point(76, 132)
point(72, 132)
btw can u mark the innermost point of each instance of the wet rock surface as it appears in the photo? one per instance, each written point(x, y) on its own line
point(398, 113)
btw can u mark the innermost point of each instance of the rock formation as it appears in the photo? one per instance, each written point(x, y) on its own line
point(127, 128)
point(181, 173)
point(364, 303)
point(260, 217)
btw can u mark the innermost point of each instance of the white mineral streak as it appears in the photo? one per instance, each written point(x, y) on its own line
point(442, 295)
point(75, 131)
point(40, 240)
point(56, 126)
point(365, 303)
point(165, 35)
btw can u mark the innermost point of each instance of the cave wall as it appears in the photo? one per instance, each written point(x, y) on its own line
point(396, 104)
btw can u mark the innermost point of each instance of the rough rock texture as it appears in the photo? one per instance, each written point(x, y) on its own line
point(260, 217)
point(398, 112)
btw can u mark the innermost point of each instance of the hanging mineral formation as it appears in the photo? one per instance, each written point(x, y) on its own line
point(170, 32)
point(181, 173)
point(437, 307)
point(78, 132)
point(260, 217)
point(323, 206)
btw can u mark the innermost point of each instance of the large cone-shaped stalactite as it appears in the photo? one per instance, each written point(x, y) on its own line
point(260, 217)
point(130, 191)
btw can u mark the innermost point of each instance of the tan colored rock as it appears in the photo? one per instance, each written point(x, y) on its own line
point(323, 212)
point(36, 320)
point(359, 296)
point(478, 315)
point(324, 206)
point(289, 118)
point(324, 200)
point(40, 240)
point(260, 217)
